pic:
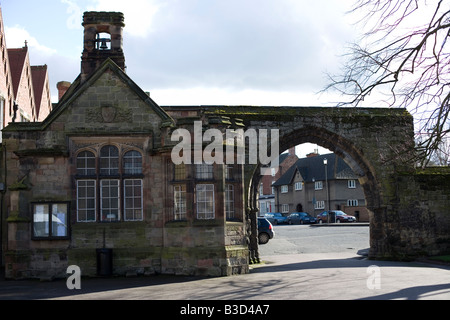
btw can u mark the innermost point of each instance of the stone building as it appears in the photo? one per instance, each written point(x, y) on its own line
point(312, 186)
point(94, 185)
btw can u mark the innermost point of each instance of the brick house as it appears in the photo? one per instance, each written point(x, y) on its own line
point(266, 196)
point(311, 186)
point(97, 175)
point(24, 89)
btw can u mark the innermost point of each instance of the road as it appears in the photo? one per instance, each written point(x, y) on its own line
point(300, 263)
point(295, 239)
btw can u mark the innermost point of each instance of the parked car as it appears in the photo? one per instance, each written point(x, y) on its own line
point(300, 218)
point(275, 218)
point(335, 216)
point(265, 231)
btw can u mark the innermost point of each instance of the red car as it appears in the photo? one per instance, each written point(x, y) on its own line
point(335, 216)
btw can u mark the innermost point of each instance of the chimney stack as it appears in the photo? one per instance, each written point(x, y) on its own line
point(62, 86)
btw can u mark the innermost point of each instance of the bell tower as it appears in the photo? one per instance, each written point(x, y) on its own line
point(102, 39)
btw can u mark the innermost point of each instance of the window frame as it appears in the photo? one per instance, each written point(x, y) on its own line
point(133, 198)
point(351, 184)
point(210, 199)
point(87, 199)
point(229, 202)
point(51, 233)
point(179, 202)
point(112, 163)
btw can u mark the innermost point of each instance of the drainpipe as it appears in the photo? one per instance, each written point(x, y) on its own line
point(2, 195)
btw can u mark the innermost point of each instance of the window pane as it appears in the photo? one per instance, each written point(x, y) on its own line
point(180, 172)
point(109, 160)
point(229, 201)
point(86, 200)
point(205, 201)
point(59, 220)
point(86, 163)
point(41, 226)
point(204, 171)
point(179, 202)
point(133, 200)
point(132, 162)
point(110, 200)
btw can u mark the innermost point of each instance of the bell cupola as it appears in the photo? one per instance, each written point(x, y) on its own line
point(102, 39)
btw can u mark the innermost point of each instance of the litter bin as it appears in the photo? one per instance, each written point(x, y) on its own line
point(332, 217)
point(104, 262)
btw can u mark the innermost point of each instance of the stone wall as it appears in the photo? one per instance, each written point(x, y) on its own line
point(418, 223)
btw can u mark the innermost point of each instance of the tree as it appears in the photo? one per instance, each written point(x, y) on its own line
point(403, 56)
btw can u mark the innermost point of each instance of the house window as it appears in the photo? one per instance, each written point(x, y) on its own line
point(229, 201)
point(133, 206)
point(50, 220)
point(351, 184)
point(298, 186)
point(229, 169)
point(86, 163)
point(352, 203)
point(284, 189)
point(319, 204)
point(318, 185)
point(204, 171)
point(86, 200)
point(132, 163)
point(205, 201)
point(179, 172)
point(179, 198)
point(109, 161)
point(285, 208)
point(112, 192)
point(109, 200)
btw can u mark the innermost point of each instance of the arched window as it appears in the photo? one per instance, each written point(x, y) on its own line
point(109, 161)
point(86, 163)
point(115, 191)
point(132, 163)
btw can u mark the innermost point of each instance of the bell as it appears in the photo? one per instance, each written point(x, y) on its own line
point(103, 46)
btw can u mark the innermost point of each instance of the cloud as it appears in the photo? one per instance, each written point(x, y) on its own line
point(240, 45)
point(138, 14)
point(17, 35)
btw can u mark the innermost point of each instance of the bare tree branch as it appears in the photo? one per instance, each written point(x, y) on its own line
point(405, 60)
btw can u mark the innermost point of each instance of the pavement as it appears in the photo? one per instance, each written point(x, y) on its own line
point(320, 276)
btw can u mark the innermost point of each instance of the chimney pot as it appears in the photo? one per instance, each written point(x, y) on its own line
point(62, 86)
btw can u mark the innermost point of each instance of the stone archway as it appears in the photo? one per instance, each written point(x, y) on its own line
point(340, 146)
point(376, 143)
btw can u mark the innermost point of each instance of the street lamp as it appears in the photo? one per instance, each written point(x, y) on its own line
point(314, 195)
point(325, 163)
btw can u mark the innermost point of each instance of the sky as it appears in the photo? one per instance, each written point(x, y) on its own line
point(199, 52)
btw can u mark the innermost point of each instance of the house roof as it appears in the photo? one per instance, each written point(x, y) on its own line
point(17, 58)
point(79, 86)
point(39, 75)
point(313, 168)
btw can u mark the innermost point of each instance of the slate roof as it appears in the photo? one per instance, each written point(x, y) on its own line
point(313, 167)
point(38, 75)
point(16, 62)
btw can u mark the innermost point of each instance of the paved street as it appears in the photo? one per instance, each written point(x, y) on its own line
point(295, 239)
point(291, 271)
